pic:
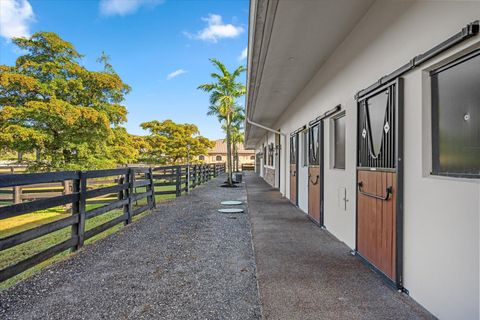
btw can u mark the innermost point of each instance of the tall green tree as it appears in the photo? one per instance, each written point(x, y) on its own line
point(171, 143)
point(49, 102)
point(237, 134)
point(238, 138)
point(224, 92)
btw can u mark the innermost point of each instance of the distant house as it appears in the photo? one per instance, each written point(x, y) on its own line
point(218, 154)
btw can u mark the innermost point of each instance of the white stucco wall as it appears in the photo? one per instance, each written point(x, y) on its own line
point(441, 216)
point(302, 178)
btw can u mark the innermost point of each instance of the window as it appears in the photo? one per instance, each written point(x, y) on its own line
point(270, 154)
point(456, 117)
point(265, 155)
point(252, 157)
point(339, 142)
point(293, 149)
point(218, 158)
point(313, 146)
point(201, 158)
point(305, 148)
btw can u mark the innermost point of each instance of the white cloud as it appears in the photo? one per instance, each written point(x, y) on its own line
point(124, 7)
point(176, 73)
point(15, 18)
point(216, 29)
point(244, 54)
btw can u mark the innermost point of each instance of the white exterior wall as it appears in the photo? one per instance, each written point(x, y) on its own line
point(441, 215)
point(302, 178)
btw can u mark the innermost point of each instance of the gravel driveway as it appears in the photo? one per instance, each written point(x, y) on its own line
point(184, 261)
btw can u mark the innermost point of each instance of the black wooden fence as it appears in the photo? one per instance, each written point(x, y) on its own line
point(183, 178)
point(134, 192)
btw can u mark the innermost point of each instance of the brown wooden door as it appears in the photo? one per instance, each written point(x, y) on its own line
point(293, 183)
point(376, 219)
point(315, 161)
point(379, 177)
point(314, 193)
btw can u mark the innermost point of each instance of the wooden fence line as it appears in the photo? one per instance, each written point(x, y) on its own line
point(131, 186)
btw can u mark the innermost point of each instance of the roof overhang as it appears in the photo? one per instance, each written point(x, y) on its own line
point(289, 41)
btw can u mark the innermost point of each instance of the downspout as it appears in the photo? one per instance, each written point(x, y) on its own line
point(285, 142)
point(265, 128)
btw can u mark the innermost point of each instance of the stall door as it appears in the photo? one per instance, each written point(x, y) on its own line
point(314, 172)
point(293, 169)
point(379, 172)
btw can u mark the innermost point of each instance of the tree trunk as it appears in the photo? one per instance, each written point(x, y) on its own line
point(229, 153)
point(235, 156)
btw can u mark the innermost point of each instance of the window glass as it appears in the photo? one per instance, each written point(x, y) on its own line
point(201, 158)
point(313, 154)
point(293, 150)
point(270, 154)
point(252, 157)
point(339, 142)
point(376, 108)
point(218, 158)
point(456, 117)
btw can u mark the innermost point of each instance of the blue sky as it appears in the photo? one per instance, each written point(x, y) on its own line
point(160, 48)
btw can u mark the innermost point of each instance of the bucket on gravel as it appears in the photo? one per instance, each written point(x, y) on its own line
point(237, 177)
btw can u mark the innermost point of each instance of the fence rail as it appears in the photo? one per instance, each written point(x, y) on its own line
point(130, 190)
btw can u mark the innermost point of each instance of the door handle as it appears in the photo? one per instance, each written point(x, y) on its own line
point(388, 192)
point(316, 180)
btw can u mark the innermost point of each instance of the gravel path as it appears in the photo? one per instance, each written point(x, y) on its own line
point(184, 261)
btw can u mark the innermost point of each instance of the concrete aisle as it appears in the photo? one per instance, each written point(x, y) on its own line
point(305, 273)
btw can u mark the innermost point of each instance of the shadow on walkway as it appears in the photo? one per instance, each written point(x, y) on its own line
point(305, 273)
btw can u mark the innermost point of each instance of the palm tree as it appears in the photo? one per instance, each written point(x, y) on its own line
point(238, 117)
point(224, 91)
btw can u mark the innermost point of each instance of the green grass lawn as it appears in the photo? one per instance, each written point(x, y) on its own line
point(27, 221)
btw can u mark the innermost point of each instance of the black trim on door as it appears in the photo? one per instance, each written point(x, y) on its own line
point(397, 84)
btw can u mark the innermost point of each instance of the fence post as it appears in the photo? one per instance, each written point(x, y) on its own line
point(194, 175)
point(153, 203)
point(187, 175)
point(178, 181)
point(79, 207)
point(131, 179)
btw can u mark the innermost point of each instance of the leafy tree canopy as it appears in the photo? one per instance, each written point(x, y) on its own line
point(170, 142)
point(224, 92)
point(51, 103)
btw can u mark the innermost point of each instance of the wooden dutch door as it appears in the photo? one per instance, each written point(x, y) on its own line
point(379, 180)
point(315, 161)
point(294, 169)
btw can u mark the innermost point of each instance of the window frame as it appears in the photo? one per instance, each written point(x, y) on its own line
point(314, 160)
point(293, 149)
point(435, 167)
point(333, 122)
point(270, 154)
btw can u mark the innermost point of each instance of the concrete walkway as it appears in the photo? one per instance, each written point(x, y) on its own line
point(305, 273)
